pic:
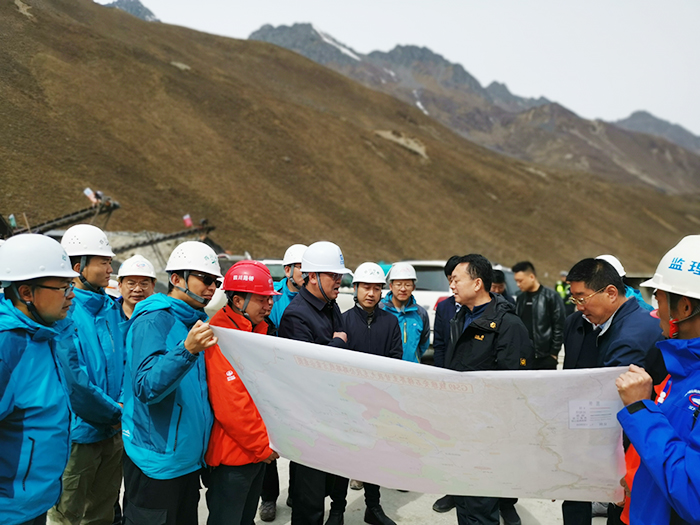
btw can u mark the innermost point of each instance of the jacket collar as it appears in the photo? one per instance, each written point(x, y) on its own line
point(491, 319)
point(389, 304)
point(227, 318)
point(91, 301)
point(180, 309)
point(681, 356)
point(317, 303)
point(13, 319)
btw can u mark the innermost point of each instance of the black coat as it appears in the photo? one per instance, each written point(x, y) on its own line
point(444, 313)
point(310, 319)
point(377, 334)
point(548, 315)
point(498, 340)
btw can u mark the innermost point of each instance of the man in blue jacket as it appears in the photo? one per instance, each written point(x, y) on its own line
point(313, 316)
point(291, 284)
point(167, 417)
point(373, 331)
point(93, 363)
point(608, 329)
point(413, 319)
point(34, 405)
point(667, 436)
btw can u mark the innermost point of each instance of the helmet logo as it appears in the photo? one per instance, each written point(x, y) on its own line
point(676, 263)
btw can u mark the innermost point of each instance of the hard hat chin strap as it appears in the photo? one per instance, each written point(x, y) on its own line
point(291, 278)
point(186, 289)
point(88, 286)
point(30, 306)
point(320, 287)
point(673, 329)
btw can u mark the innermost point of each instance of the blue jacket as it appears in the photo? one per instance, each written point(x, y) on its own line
point(376, 334)
point(444, 313)
point(310, 319)
point(93, 363)
point(35, 416)
point(167, 417)
point(628, 339)
point(280, 301)
point(667, 438)
point(414, 325)
point(633, 292)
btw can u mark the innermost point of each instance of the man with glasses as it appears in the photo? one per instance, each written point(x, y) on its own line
point(313, 316)
point(167, 416)
point(413, 319)
point(607, 329)
point(92, 359)
point(137, 279)
point(34, 404)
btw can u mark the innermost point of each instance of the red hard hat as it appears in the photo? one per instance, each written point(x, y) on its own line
point(249, 276)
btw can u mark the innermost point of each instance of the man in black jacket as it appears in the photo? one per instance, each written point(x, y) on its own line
point(542, 312)
point(484, 335)
point(313, 316)
point(373, 331)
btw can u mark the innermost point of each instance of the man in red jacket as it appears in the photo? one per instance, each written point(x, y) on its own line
point(239, 447)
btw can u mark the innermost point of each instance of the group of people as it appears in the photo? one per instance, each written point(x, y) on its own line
point(95, 390)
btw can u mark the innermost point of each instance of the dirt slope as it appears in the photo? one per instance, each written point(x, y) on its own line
point(275, 149)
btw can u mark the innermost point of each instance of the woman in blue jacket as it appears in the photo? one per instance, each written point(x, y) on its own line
point(34, 407)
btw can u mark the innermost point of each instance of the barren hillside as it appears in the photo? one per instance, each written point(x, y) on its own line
point(275, 149)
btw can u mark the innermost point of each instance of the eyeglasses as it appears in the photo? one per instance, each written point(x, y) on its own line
point(582, 300)
point(403, 286)
point(131, 285)
point(334, 276)
point(207, 280)
point(67, 290)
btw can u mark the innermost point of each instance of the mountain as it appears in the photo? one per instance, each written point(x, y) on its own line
point(535, 130)
point(136, 8)
point(275, 149)
point(644, 122)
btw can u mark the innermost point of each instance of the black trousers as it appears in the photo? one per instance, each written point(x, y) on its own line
point(233, 493)
point(151, 501)
point(271, 482)
point(577, 512)
point(472, 510)
point(371, 495)
point(545, 363)
point(311, 486)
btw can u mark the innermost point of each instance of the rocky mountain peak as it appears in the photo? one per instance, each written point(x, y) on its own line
point(135, 8)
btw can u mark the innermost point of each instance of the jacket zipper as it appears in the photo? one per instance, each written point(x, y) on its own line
point(695, 417)
point(29, 465)
point(177, 427)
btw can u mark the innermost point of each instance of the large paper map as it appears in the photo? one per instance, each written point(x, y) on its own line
point(532, 434)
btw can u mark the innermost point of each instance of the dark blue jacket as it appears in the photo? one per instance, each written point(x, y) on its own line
point(34, 416)
point(632, 333)
point(167, 416)
point(444, 313)
point(310, 319)
point(667, 438)
point(376, 334)
point(93, 363)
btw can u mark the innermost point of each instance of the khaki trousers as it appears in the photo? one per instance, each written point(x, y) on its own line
point(91, 484)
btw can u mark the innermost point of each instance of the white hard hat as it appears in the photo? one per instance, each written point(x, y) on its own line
point(137, 265)
point(679, 270)
point(33, 256)
point(402, 270)
point(369, 272)
point(323, 256)
point(615, 263)
point(294, 254)
point(86, 239)
point(194, 255)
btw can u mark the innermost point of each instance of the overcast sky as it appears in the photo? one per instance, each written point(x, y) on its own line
point(599, 58)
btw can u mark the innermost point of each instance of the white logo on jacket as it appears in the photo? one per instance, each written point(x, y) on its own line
point(230, 376)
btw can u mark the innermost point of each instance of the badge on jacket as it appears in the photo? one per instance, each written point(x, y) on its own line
point(479, 337)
